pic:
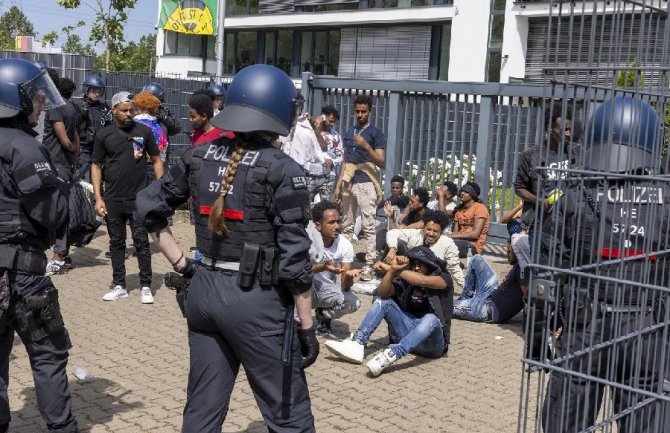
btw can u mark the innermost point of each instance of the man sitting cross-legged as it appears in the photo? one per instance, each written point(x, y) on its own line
point(483, 299)
point(331, 300)
point(416, 301)
point(399, 241)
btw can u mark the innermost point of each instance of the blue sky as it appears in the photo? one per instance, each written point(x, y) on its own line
point(46, 16)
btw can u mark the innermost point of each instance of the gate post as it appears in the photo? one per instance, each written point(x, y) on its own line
point(393, 144)
point(484, 140)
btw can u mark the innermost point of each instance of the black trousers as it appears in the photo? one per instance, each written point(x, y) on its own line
point(572, 403)
point(228, 326)
point(119, 214)
point(464, 247)
point(48, 359)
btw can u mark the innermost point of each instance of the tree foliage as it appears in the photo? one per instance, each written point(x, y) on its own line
point(110, 20)
point(74, 45)
point(134, 57)
point(14, 23)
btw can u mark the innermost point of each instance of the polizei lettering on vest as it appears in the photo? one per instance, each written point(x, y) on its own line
point(633, 194)
point(220, 154)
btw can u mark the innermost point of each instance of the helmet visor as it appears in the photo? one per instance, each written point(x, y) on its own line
point(42, 92)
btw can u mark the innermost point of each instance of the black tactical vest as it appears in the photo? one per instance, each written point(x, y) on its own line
point(246, 204)
point(93, 116)
point(625, 220)
point(15, 226)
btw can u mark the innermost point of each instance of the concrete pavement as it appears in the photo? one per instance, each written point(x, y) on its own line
point(138, 355)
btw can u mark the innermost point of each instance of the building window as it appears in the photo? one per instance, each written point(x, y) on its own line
point(245, 53)
point(241, 7)
point(182, 44)
point(279, 49)
point(241, 49)
point(445, 45)
point(494, 53)
point(320, 52)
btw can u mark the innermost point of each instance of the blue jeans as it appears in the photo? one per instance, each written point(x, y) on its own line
point(480, 282)
point(419, 336)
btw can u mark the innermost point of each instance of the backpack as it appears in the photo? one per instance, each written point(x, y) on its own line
point(82, 222)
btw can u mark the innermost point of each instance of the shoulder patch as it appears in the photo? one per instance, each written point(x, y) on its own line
point(299, 182)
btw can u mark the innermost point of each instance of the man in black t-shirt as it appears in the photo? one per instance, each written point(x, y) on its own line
point(122, 148)
point(62, 141)
point(416, 301)
point(559, 152)
point(483, 299)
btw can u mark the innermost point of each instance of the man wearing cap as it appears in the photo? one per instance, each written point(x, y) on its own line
point(416, 301)
point(471, 221)
point(123, 148)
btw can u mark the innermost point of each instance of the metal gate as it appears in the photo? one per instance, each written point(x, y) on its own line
point(597, 326)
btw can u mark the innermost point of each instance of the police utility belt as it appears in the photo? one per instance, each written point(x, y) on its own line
point(256, 263)
point(32, 262)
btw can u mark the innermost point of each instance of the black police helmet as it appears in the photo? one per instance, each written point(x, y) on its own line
point(21, 85)
point(260, 98)
point(218, 90)
point(624, 131)
point(94, 81)
point(155, 89)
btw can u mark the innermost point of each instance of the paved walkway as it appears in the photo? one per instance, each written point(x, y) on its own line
point(138, 355)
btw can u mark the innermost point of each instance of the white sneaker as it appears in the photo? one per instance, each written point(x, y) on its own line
point(367, 274)
point(145, 295)
point(117, 292)
point(55, 267)
point(364, 288)
point(348, 349)
point(380, 361)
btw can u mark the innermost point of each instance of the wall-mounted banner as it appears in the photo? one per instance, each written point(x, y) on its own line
point(196, 17)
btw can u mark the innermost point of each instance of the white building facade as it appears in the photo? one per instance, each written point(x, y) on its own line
point(455, 40)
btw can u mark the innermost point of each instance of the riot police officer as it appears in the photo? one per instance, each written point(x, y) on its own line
point(34, 204)
point(252, 207)
point(610, 229)
point(94, 114)
point(164, 115)
point(219, 97)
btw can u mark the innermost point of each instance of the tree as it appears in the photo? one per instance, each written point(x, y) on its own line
point(14, 23)
point(109, 22)
point(134, 57)
point(73, 45)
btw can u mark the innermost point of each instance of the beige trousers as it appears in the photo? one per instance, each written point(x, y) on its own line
point(362, 197)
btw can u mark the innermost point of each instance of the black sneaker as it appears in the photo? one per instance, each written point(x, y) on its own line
point(68, 262)
point(323, 324)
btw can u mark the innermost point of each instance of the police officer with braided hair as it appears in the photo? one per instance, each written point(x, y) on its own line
point(34, 204)
point(94, 114)
point(252, 207)
point(611, 228)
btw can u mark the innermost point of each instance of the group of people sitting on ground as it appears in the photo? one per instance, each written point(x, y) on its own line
point(419, 272)
point(422, 250)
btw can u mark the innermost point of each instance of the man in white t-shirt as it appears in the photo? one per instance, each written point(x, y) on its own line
point(331, 300)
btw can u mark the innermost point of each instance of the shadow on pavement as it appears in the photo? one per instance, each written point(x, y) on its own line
point(93, 403)
point(255, 427)
point(133, 282)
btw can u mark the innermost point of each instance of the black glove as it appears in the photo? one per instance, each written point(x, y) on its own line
point(309, 346)
point(189, 268)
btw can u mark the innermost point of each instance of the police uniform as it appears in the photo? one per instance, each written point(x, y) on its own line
point(596, 222)
point(93, 115)
point(34, 204)
point(266, 249)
